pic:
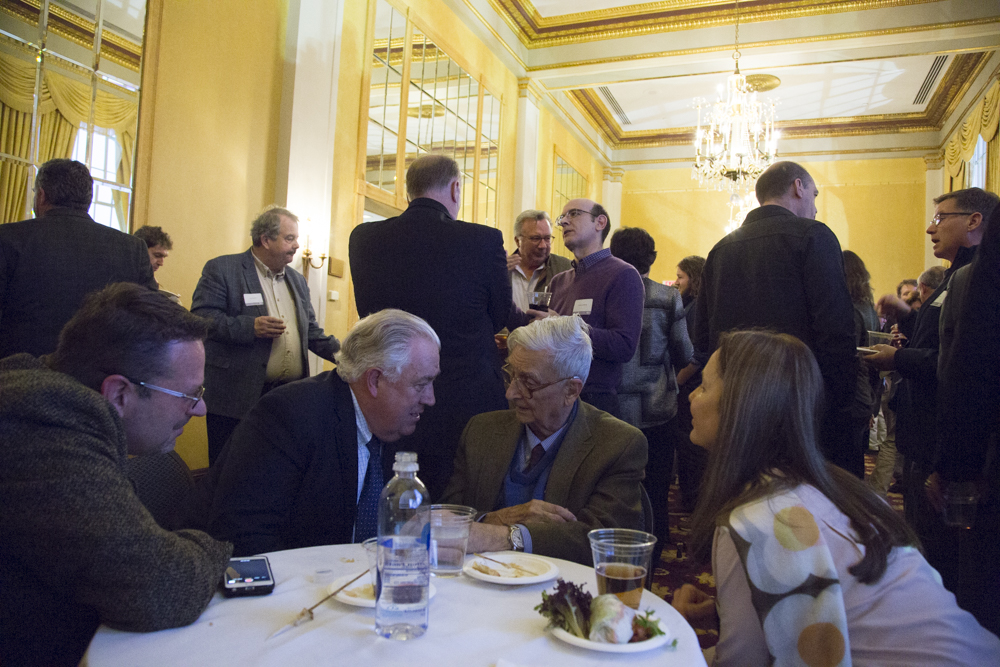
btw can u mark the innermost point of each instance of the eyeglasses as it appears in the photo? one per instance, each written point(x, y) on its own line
point(538, 239)
point(936, 220)
point(511, 377)
point(197, 397)
point(572, 213)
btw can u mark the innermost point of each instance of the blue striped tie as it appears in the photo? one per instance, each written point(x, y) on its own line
point(366, 525)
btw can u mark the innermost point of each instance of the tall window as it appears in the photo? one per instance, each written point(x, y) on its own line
point(567, 184)
point(70, 90)
point(443, 110)
point(977, 165)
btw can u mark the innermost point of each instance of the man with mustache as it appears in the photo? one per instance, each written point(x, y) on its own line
point(262, 324)
point(308, 463)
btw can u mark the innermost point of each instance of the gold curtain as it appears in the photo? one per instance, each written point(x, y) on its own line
point(64, 105)
point(982, 121)
point(993, 164)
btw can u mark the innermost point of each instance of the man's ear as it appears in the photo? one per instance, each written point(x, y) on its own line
point(573, 390)
point(117, 390)
point(455, 191)
point(370, 380)
point(975, 221)
point(598, 220)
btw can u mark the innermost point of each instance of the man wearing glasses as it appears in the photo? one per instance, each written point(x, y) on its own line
point(551, 469)
point(606, 292)
point(533, 266)
point(955, 230)
point(78, 547)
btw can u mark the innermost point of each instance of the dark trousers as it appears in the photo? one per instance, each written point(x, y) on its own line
point(602, 401)
point(692, 460)
point(662, 440)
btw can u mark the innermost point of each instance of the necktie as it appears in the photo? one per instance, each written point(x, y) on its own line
point(537, 452)
point(366, 525)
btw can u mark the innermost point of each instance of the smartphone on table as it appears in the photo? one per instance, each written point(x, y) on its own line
point(247, 576)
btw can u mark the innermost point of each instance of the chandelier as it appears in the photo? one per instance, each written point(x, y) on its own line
point(735, 140)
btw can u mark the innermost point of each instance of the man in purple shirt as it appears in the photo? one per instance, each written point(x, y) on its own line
point(606, 292)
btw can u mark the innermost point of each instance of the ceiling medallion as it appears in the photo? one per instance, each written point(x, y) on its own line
point(425, 111)
point(735, 139)
point(761, 83)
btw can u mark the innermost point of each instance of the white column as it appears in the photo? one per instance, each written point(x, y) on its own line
point(309, 110)
point(934, 187)
point(526, 156)
point(611, 196)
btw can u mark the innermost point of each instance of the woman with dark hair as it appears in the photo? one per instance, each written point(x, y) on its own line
point(811, 566)
point(691, 459)
point(647, 395)
point(868, 389)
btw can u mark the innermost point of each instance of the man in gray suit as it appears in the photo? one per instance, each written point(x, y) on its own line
point(552, 468)
point(262, 324)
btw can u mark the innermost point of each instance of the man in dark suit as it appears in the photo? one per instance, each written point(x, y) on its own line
point(782, 270)
point(308, 463)
point(452, 274)
point(48, 264)
point(262, 324)
point(553, 468)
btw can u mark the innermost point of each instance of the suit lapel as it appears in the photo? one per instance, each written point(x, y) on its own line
point(251, 285)
point(575, 448)
point(500, 450)
point(345, 432)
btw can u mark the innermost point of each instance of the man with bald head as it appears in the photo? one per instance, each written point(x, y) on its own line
point(783, 270)
point(606, 292)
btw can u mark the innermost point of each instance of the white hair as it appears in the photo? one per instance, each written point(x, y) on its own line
point(565, 339)
point(383, 341)
point(530, 214)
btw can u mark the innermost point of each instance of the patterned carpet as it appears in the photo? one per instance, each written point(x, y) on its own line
point(675, 569)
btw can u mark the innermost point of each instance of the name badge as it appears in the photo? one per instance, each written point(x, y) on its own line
point(938, 302)
point(253, 300)
point(583, 306)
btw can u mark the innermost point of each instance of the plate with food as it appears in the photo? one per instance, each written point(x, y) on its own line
point(361, 593)
point(510, 568)
point(603, 623)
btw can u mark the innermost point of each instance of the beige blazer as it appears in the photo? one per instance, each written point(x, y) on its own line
point(596, 475)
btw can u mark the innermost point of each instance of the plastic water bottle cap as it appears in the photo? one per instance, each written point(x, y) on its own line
point(406, 462)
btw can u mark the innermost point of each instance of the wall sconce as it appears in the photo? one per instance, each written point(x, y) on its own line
point(307, 261)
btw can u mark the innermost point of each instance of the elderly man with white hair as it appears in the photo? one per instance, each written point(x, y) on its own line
point(552, 468)
point(306, 466)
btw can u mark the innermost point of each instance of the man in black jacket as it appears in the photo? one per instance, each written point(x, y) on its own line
point(782, 270)
point(452, 274)
point(49, 263)
point(955, 230)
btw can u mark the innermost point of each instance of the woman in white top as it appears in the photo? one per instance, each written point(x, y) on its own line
point(811, 567)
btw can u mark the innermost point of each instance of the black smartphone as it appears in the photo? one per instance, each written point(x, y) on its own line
point(247, 576)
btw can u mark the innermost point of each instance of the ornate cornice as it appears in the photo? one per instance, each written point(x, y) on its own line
point(954, 84)
point(536, 31)
point(78, 30)
point(934, 161)
point(614, 175)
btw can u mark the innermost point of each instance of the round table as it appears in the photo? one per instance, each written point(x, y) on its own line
point(471, 623)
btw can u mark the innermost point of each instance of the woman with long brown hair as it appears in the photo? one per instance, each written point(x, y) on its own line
point(868, 387)
point(811, 567)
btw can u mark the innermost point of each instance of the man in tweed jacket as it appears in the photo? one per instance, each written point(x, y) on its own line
point(77, 546)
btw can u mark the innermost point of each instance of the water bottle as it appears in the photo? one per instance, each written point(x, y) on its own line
point(404, 534)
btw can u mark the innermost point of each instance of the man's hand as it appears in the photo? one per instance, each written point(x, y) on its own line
point(484, 537)
point(268, 327)
point(892, 306)
point(696, 606)
point(883, 359)
point(537, 511)
point(512, 261)
point(541, 314)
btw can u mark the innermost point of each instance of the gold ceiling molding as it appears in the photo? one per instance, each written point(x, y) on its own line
point(814, 39)
point(78, 30)
point(954, 84)
point(851, 151)
point(535, 31)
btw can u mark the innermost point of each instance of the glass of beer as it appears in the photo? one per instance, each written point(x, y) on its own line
point(539, 301)
point(622, 562)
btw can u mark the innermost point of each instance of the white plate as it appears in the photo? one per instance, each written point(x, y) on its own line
point(544, 568)
point(649, 644)
point(359, 602)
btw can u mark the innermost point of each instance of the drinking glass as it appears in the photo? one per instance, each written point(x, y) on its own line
point(540, 301)
point(449, 538)
point(622, 562)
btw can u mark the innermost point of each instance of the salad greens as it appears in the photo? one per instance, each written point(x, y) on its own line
point(567, 608)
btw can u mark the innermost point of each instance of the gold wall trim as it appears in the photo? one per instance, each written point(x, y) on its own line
point(78, 30)
point(489, 27)
point(852, 151)
point(535, 31)
point(956, 81)
point(586, 135)
point(989, 20)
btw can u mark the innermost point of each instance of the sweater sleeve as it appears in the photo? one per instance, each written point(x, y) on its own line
point(617, 340)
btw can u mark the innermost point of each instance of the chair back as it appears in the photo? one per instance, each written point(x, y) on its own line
point(164, 484)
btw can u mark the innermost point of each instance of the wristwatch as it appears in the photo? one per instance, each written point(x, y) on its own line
point(516, 541)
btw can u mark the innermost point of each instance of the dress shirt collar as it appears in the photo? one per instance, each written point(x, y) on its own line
point(264, 270)
point(364, 433)
point(590, 260)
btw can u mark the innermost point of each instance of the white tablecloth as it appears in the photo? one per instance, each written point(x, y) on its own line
point(471, 623)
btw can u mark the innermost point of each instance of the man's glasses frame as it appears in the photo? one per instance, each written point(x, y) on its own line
point(539, 239)
point(510, 376)
point(938, 217)
point(179, 394)
point(572, 213)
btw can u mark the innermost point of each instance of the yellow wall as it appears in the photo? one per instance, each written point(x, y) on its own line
point(554, 137)
point(875, 207)
point(212, 146)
